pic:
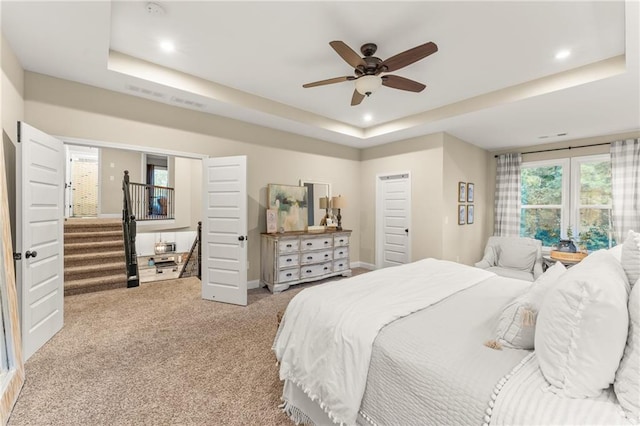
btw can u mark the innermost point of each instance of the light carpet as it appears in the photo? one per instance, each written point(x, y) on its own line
point(156, 355)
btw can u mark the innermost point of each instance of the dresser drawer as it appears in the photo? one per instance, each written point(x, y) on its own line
point(341, 253)
point(340, 265)
point(313, 270)
point(288, 260)
point(340, 240)
point(316, 243)
point(316, 256)
point(288, 275)
point(288, 246)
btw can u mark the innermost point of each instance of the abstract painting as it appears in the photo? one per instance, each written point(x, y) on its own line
point(291, 204)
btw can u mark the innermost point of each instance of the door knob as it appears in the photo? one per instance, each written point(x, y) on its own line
point(29, 254)
point(241, 238)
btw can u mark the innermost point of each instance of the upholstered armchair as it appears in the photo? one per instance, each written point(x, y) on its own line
point(513, 257)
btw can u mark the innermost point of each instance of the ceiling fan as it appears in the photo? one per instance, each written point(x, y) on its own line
point(367, 70)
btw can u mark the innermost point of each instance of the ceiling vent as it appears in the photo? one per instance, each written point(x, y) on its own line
point(154, 9)
point(145, 92)
point(187, 102)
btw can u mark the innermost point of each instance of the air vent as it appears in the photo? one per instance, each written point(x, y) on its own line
point(146, 92)
point(187, 102)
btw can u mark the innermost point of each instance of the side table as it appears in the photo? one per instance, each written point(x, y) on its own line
point(548, 261)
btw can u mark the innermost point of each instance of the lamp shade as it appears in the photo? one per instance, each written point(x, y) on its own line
point(324, 202)
point(367, 84)
point(338, 202)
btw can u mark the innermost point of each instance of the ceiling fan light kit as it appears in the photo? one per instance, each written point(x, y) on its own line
point(367, 84)
point(367, 69)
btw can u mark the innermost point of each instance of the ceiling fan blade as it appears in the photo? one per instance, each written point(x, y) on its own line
point(329, 81)
point(402, 83)
point(356, 98)
point(348, 54)
point(408, 57)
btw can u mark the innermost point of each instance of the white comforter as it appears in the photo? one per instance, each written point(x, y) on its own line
point(324, 341)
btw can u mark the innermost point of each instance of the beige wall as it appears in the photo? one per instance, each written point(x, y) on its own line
point(575, 152)
point(464, 162)
point(11, 111)
point(113, 163)
point(422, 157)
point(61, 107)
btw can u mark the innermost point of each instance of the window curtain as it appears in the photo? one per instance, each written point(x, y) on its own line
point(625, 187)
point(507, 203)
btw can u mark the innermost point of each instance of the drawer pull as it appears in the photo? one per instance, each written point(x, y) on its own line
point(309, 271)
point(326, 255)
point(341, 252)
point(326, 267)
point(309, 244)
point(341, 265)
point(309, 257)
point(342, 241)
point(289, 260)
point(326, 242)
point(289, 274)
point(289, 246)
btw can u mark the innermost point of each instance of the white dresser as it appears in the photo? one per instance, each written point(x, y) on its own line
point(298, 257)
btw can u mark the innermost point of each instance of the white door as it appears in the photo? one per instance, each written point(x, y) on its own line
point(224, 230)
point(40, 217)
point(393, 216)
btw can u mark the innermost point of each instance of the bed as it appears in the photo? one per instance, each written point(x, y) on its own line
point(407, 345)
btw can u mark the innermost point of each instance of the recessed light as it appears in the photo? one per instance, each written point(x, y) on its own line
point(167, 46)
point(563, 54)
point(367, 117)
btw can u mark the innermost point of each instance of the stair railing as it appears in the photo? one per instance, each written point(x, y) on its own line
point(129, 231)
point(193, 263)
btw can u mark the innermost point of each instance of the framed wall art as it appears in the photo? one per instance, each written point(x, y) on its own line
point(470, 213)
point(290, 203)
point(462, 192)
point(462, 214)
point(470, 188)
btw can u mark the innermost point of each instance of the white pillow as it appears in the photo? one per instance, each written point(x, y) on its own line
point(516, 325)
point(582, 327)
point(627, 383)
point(517, 256)
point(630, 257)
point(616, 251)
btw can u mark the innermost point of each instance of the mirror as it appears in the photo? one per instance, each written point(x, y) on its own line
point(315, 191)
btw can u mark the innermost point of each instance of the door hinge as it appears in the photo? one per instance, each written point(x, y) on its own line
point(17, 256)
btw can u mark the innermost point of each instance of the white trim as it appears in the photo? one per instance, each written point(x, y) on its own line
point(144, 223)
point(127, 147)
point(378, 228)
point(365, 265)
point(253, 284)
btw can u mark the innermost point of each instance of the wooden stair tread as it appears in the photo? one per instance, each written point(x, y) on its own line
point(98, 255)
point(97, 244)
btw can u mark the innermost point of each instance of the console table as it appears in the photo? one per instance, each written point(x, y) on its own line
point(298, 257)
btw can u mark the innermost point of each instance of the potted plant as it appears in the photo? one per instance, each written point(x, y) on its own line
point(567, 245)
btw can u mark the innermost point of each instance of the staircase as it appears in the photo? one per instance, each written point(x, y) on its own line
point(94, 257)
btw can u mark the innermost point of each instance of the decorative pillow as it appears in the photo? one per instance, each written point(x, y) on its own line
point(630, 257)
point(627, 383)
point(516, 326)
point(517, 256)
point(582, 327)
point(616, 251)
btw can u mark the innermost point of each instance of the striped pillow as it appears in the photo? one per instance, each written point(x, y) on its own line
point(630, 257)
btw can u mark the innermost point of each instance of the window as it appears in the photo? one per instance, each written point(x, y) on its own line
point(562, 195)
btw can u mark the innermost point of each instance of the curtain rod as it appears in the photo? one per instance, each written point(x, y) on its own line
point(562, 149)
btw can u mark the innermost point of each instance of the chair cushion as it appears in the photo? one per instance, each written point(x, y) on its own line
point(516, 325)
point(517, 256)
point(512, 273)
point(581, 330)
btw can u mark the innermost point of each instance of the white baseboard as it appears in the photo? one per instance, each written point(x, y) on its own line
point(110, 215)
point(253, 284)
point(365, 265)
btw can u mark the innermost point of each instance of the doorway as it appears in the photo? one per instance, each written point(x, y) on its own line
point(81, 186)
point(393, 218)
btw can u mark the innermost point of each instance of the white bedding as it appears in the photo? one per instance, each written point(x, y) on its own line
point(525, 399)
point(325, 339)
